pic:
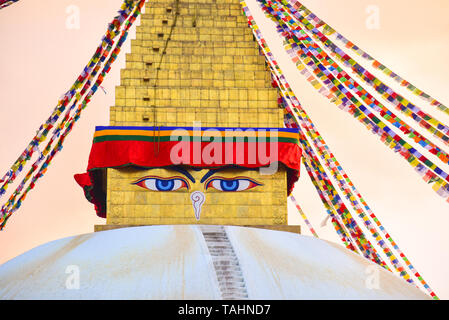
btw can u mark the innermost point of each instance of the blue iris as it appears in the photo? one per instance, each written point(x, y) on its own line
point(229, 185)
point(165, 185)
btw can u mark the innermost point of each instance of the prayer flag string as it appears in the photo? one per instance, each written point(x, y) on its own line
point(328, 30)
point(129, 12)
point(393, 259)
point(6, 3)
point(331, 194)
point(309, 51)
point(434, 126)
point(73, 95)
point(323, 152)
point(325, 155)
point(341, 96)
point(304, 217)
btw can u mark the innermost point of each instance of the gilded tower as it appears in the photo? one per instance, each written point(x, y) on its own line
point(195, 62)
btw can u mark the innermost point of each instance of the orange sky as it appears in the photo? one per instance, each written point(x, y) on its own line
point(40, 58)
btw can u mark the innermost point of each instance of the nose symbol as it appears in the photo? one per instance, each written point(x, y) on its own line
point(198, 198)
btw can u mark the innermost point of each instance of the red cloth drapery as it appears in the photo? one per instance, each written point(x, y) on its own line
point(147, 147)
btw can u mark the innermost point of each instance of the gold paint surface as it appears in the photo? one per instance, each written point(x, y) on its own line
point(131, 204)
point(199, 65)
point(195, 61)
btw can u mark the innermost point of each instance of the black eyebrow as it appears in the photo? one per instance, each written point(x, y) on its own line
point(188, 175)
point(207, 175)
point(211, 172)
point(184, 172)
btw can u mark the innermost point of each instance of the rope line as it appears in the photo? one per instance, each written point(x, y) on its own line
point(128, 14)
point(331, 163)
point(6, 3)
point(328, 30)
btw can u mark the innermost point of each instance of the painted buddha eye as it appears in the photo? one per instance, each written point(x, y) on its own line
point(231, 185)
point(162, 184)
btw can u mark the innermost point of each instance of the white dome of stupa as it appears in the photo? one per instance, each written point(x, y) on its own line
point(197, 262)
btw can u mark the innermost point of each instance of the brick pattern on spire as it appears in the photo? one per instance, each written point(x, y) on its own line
point(195, 61)
point(198, 62)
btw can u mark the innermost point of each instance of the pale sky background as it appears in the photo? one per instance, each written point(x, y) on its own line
point(40, 59)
